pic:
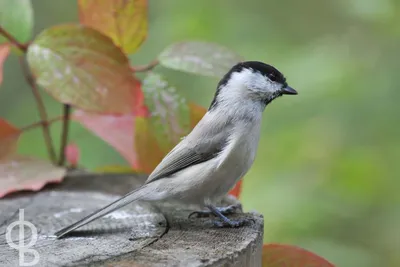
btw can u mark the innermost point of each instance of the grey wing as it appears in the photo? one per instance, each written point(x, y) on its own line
point(187, 153)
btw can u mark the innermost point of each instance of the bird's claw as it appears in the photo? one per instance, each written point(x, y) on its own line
point(232, 209)
point(200, 214)
point(232, 223)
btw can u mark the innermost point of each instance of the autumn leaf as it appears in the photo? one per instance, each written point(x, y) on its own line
point(277, 255)
point(24, 173)
point(80, 66)
point(170, 117)
point(16, 17)
point(237, 190)
point(196, 113)
point(199, 57)
point(116, 130)
point(125, 21)
point(4, 52)
point(149, 153)
point(8, 139)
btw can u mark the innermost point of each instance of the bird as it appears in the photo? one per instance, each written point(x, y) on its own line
point(207, 163)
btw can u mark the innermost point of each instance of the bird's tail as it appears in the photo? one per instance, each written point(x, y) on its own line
point(119, 203)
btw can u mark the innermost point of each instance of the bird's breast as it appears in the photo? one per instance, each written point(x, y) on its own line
point(235, 161)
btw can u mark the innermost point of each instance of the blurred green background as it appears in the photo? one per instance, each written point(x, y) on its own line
point(326, 175)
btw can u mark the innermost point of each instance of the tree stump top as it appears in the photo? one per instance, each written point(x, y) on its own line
point(139, 234)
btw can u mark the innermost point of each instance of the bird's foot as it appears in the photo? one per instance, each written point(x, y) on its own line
point(232, 209)
point(227, 223)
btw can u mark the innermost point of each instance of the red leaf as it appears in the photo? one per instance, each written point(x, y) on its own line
point(125, 21)
point(277, 255)
point(237, 190)
point(4, 52)
point(24, 173)
point(8, 139)
point(116, 130)
point(72, 154)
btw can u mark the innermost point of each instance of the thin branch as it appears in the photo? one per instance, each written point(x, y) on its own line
point(65, 130)
point(41, 123)
point(12, 40)
point(42, 111)
point(145, 68)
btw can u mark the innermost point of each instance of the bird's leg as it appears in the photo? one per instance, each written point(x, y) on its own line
point(232, 209)
point(225, 221)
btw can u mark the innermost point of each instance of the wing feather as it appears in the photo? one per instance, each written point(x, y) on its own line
point(187, 153)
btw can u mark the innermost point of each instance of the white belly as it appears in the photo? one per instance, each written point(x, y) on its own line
point(209, 181)
point(234, 167)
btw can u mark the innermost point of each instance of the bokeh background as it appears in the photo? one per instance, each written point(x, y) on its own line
point(326, 177)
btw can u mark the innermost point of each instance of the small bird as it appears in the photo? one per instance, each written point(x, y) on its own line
point(204, 166)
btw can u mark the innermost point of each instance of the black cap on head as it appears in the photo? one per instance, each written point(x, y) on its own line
point(265, 69)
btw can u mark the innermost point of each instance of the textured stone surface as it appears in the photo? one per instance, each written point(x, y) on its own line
point(139, 234)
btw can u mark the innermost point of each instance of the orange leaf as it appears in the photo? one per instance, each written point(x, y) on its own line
point(25, 173)
point(4, 52)
point(8, 139)
point(148, 151)
point(236, 190)
point(277, 255)
point(196, 113)
point(125, 21)
point(116, 130)
point(72, 154)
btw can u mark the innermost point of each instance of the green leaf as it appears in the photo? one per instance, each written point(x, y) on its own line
point(170, 116)
point(80, 66)
point(197, 57)
point(16, 17)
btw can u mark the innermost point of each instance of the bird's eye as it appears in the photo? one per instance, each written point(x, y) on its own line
point(272, 77)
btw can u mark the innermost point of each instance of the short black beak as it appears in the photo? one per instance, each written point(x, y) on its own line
point(289, 91)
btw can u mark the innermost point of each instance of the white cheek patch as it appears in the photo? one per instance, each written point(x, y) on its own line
point(241, 84)
point(259, 82)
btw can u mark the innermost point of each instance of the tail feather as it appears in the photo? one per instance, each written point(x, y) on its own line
point(119, 203)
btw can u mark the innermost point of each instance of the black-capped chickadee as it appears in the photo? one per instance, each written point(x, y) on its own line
point(208, 162)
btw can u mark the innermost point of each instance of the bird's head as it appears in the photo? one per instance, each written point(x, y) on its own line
point(252, 80)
